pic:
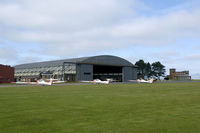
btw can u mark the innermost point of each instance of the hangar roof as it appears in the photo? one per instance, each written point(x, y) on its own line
point(98, 60)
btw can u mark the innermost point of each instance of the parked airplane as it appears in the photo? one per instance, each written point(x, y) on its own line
point(143, 81)
point(96, 81)
point(112, 80)
point(55, 81)
point(41, 82)
point(38, 82)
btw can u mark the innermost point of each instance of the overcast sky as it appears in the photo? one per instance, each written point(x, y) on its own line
point(153, 30)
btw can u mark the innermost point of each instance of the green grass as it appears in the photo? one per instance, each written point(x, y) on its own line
point(8, 84)
point(195, 79)
point(131, 108)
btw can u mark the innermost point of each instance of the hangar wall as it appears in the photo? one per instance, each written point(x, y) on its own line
point(135, 73)
point(84, 72)
point(127, 73)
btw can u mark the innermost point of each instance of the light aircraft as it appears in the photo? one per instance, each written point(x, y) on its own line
point(96, 81)
point(41, 82)
point(38, 82)
point(55, 81)
point(112, 80)
point(150, 81)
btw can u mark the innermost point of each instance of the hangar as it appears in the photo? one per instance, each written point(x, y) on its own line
point(77, 69)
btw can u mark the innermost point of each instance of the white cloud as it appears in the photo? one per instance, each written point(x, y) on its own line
point(7, 55)
point(56, 15)
point(62, 28)
point(161, 30)
point(92, 25)
point(191, 58)
point(197, 47)
point(166, 54)
point(196, 76)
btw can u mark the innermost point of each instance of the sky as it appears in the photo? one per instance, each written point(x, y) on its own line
point(153, 30)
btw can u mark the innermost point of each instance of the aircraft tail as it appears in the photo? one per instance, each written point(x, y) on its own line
point(51, 81)
point(151, 81)
point(107, 82)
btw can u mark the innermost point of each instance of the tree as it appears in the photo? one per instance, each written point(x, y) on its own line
point(158, 69)
point(148, 71)
point(141, 68)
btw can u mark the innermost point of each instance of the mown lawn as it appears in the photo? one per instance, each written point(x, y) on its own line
point(125, 108)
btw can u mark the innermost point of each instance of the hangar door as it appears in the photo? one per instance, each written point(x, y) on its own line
point(107, 72)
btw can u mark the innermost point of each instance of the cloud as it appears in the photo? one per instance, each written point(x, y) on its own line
point(7, 54)
point(198, 47)
point(62, 15)
point(27, 59)
point(166, 54)
point(192, 58)
point(57, 29)
point(161, 30)
point(79, 25)
point(196, 76)
point(66, 28)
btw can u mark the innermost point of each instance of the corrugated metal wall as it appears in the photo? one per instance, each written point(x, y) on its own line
point(129, 73)
point(84, 72)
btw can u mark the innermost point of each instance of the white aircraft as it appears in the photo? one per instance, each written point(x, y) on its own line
point(55, 81)
point(38, 82)
point(150, 81)
point(41, 82)
point(112, 80)
point(96, 81)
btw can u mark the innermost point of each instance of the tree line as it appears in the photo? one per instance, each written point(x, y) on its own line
point(148, 70)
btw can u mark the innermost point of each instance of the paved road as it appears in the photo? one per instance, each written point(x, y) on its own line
point(68, 84)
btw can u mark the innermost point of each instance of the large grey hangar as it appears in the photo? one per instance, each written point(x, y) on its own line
point(77, 69)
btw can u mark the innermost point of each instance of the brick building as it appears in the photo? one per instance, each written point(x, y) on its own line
point(183, 75)
point(6, 74)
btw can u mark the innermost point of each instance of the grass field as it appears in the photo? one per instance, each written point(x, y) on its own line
point(125, 108)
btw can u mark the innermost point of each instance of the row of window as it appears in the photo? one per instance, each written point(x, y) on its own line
point(67, 68)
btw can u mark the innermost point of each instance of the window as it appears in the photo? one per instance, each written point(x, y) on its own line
point(86, 73)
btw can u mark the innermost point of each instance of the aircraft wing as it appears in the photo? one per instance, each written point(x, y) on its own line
point(27, 83)
point(132, 80)
point(141, 81)
point(102, 82)
point(96, 82)
point(135, 81)
point(56, 82)
point(87, 81)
